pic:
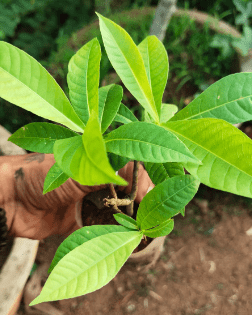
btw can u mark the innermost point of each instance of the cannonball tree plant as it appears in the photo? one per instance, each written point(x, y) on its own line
point(200, 138)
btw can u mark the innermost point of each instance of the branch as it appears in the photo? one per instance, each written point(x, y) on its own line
point(130, 208)
point(163, 14)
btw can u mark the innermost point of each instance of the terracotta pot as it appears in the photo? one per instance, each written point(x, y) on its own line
point(18, 265)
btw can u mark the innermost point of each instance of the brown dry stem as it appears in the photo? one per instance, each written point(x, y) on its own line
point(128, 202)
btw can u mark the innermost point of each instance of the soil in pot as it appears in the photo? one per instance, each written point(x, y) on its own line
point(94, 214)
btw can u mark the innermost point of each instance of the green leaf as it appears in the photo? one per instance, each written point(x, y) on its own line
point(126, 221)
point(89, 266)
point(125, 115)
point(167, 112)
point(84, 158)
point(147, 117)
point(128, 63)
point(159, 172)
point(81, 236)
point(110, 97)
point(117, 161)
point(244, 43)
point(25, 83)
point(83, 79)
point(163, 229)
point(229, 99)
point(40, 137)
point(156, 64)
point(224, 150)
point(166, 200)
point(54, 178)
point(147, 142)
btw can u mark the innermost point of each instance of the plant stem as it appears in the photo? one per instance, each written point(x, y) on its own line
point(130, 207)
point(128, 202)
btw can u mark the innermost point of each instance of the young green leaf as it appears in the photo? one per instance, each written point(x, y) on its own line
point(25, 83)
point(228, 99)
point(159, 172)
point(83, 79)
point(126, 221)
point(110, 97)
point(224, 150)
point(81, 236)
point(40, 136)
point(54, 178)
point(163, 229)
point(128, 63)
point(156, 64)
point(117, 161)
point(89, 266)
point(147, 142)
point(84, 158)
point(148, 118)
point(167, 112)
point(166, 200)
point(125, 115)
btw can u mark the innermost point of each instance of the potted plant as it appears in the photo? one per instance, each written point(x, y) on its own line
point(208, 148)
point(17, 259)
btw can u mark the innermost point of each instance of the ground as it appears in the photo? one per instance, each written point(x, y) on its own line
point(205, 268)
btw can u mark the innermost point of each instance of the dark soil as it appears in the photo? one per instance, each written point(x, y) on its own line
point(92, 215)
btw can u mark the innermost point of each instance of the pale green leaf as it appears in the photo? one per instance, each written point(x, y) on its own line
point(126, 221)
point(128, 63)
point(89, 266)
point(224, 150)
point(125, 115)
point(84, 158)
point(81, 236)
point(156, 64)
point(83, 79)
point(158, 172)
point(54, 178)
point(25, 83)
point(167, 112)
point(40, 136)
point(166, 200)
point(147, 142)
point(229, 99)
point(163, 229)
point(110, 97)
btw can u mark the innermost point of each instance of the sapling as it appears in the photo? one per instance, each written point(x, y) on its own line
point(200, 138)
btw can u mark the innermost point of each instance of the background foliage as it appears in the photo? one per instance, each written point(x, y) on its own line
point(43, 27)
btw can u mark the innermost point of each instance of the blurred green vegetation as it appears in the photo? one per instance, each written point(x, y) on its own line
point(43, 27)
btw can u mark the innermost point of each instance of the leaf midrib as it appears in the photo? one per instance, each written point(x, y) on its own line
point(44, 100)
point(136, 78)
point(177, 191)
point(216, 107)
point(146, 143)
point(96, 262)
point(209, 152)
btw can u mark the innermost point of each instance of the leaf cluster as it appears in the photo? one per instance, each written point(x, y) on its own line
point(200, 138)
